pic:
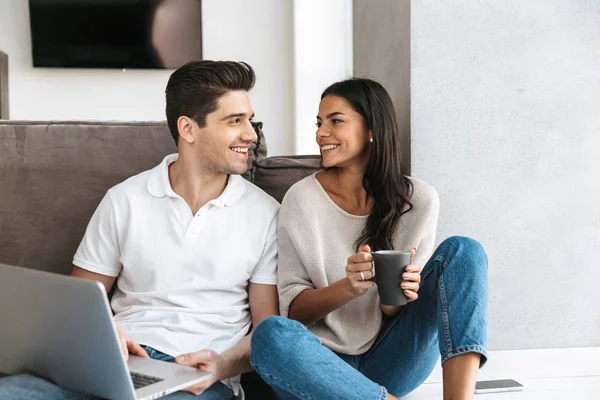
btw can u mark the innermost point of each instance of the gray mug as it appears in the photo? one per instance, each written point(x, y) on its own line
point(389, 265)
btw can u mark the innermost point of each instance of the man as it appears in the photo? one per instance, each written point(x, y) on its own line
point(191, 245)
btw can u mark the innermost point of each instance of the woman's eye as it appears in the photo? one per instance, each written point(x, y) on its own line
point(318, 124)
point(336, 121)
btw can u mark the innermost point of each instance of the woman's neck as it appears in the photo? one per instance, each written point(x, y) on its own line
point(345, 187)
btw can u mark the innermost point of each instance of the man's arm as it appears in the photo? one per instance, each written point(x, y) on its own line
point(235, 361)
point(263, 303)
point(107, 281)
point(128, 345)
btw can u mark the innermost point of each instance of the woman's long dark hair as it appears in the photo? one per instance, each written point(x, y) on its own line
point(384, 178)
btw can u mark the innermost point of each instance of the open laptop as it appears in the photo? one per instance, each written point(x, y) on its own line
point(60, 328)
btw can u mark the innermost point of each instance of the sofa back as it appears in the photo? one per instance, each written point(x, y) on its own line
point(54, 174)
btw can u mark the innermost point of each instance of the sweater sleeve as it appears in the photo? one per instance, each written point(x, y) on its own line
point(292, 276)
point(427, 243)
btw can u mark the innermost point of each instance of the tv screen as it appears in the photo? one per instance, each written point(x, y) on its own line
point(163, 34)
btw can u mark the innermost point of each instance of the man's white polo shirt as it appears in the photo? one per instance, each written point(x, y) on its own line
point(182, 278)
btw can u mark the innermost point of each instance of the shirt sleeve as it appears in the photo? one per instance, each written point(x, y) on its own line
point(426, 245)
point(265, 272)
point(292, 276)
point(99, 251)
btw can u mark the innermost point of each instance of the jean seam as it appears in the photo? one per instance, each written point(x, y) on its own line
point(444, 301)
point(462, 350)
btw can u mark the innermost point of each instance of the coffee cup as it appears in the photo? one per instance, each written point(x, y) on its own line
point(388, 266)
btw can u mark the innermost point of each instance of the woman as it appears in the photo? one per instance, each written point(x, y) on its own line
point(355, 347)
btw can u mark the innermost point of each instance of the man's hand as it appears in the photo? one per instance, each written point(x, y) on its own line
point(204, 360)
point(236, 360)
point(128, 345)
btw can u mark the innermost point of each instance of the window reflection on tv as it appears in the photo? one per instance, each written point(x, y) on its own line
point(149, 34)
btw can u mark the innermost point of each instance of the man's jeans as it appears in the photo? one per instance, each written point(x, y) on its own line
point(449, 318)
point(28, 387)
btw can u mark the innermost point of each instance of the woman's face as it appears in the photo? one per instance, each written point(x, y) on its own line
point(341, 134)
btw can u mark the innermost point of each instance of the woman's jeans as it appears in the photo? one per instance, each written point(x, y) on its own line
point(449, 318)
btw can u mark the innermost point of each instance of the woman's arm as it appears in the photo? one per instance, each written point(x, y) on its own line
point(301, 298)
point(312, 305)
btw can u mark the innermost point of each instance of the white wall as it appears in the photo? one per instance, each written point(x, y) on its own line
point(258, 32)
point(506, 125)
point(322, 56)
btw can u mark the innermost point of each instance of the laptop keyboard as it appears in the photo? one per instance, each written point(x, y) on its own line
point(141, 380)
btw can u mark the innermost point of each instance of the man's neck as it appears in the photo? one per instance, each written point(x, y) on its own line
point(195, 186)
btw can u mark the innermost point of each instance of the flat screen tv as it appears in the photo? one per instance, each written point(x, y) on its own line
point(149, 34)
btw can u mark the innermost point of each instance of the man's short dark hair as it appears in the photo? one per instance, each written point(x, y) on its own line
point(194, 89)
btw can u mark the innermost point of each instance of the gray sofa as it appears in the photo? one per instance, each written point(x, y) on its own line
point(54, 174)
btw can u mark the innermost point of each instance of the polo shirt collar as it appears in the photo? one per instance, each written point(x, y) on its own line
point(235, 189)
point(160, 186)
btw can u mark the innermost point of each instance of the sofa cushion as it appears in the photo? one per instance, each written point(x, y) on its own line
point(258, 150)
point(275, 175)
point(54, 174)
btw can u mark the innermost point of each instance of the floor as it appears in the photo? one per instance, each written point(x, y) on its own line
point(553, 374)
point(582, 388)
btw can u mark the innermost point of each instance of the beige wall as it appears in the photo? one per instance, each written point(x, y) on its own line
point(3, 86)
point(381, 34)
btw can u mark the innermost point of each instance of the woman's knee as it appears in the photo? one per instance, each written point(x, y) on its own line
point(463, 243)
point(272, 336)
point(464, 248)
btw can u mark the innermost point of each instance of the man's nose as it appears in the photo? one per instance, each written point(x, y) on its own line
point(249, 133)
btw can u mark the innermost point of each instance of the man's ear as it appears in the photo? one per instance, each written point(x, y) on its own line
point(185, 127)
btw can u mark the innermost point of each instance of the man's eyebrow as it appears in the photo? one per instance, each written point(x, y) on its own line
point(234, 115)
point(330, 115)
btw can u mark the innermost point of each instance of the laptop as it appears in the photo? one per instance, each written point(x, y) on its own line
point(60, 328)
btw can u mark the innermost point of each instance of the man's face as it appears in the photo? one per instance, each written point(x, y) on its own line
point(222, 144)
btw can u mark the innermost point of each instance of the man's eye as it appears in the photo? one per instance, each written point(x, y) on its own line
point(235, 121)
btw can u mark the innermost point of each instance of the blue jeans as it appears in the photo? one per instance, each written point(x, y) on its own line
point(28, 387)
point(448, 319)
